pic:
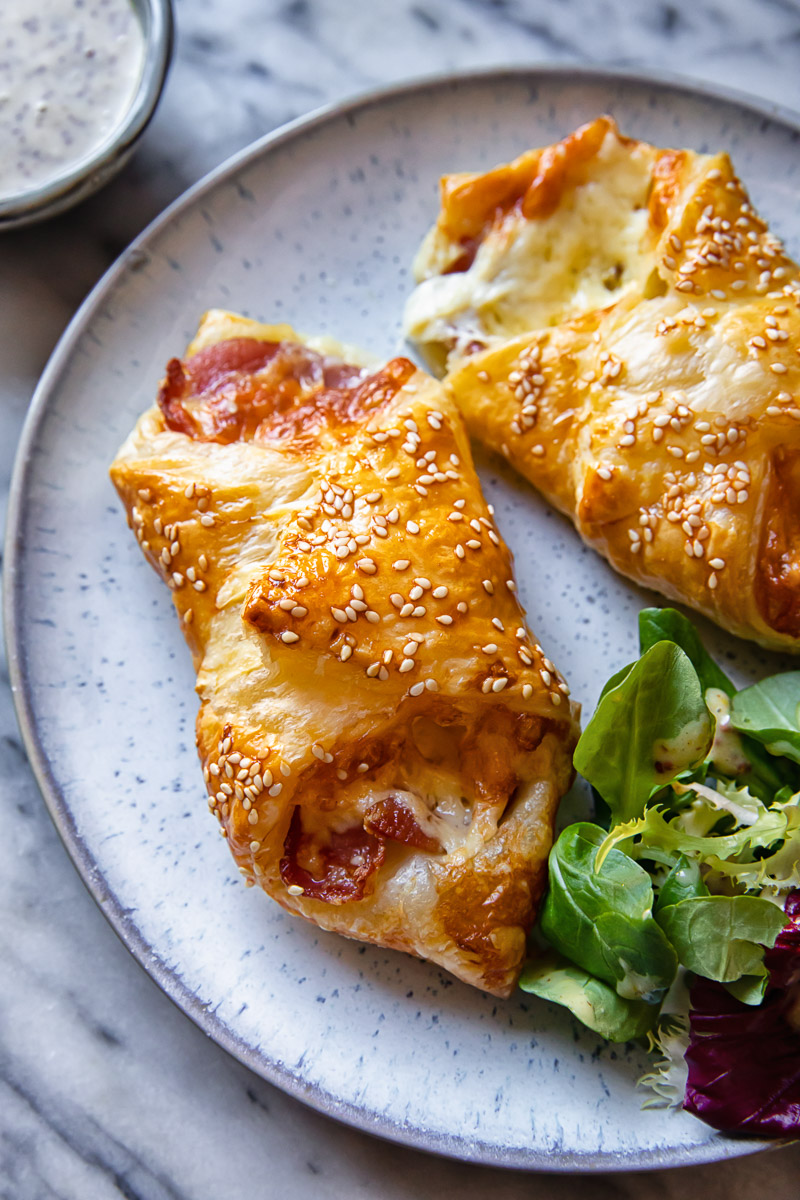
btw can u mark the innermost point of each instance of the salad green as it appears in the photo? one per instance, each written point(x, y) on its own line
point(688, 868)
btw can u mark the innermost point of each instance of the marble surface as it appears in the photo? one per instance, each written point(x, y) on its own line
point(106, 1090)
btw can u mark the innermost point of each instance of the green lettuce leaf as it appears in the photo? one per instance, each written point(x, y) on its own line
point(763, 774)
point(722, 937)
point(645, 731)
point(656, 832)
point(770, 712)
point(684, 882)
point(602, 919)
point(589, 999)
point(750, 989)
point(668, 625)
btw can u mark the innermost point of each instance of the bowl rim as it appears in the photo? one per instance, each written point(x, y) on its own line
point(157, 22)
point(719, 1147)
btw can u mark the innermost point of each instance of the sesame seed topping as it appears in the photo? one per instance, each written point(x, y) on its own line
point(778, 368)
point(499, 684)
point(406, 665)
point(445, 620)
point(402, 564)
point(489, 648)
point(416, 689)
point(294, 889)
point(290, 637)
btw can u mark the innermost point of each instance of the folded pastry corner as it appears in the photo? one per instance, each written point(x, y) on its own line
point(620, 323)
point(383, 741)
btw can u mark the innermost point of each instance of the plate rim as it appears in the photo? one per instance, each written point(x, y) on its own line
point(167, 979)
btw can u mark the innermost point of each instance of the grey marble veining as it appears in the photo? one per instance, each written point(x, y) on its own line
point(105, 1089)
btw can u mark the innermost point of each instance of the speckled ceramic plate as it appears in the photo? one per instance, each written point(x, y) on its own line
point(317, 225)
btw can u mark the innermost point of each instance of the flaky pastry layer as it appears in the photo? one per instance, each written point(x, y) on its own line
point(619, 322)
point(383, 741)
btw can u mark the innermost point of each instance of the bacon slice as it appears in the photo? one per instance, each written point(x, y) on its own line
point(244, 389)
point(348, 859)
point(390, 818)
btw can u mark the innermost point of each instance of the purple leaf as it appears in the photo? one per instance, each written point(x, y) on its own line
point(744, 1062)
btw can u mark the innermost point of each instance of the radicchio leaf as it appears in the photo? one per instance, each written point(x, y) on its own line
point(744, 1062)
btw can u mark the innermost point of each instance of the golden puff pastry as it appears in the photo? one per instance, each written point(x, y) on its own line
point(623, 327)
point(384, 743)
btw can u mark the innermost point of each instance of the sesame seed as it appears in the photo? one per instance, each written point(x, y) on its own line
point(416, 593)
point(290, 637)
point(445, 620)
point(294, 889)
point(488, 586)
point(402, 564)
point(419, 611)
point(417, 689)
point(339, 615)
point(199, 586)
point(527, 691)
point(406, 610)
point(346, 652)
point(412, 527)
point(406, 665)
point(778, 368)
point(489, 648)
point(207, 520)
point(372, 669)
point(372, 616)
point(499, 684)
point(461, 606)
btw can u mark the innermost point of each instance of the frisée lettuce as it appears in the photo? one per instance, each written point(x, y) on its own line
point(693, 868)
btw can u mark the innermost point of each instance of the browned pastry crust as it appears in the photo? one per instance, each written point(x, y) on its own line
point(623, 327)
point(384, 743)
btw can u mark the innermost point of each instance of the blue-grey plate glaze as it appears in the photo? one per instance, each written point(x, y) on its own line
point(317, 225)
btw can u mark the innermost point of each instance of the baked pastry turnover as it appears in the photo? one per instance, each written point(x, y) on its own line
point(619, 323)
point(383, 741)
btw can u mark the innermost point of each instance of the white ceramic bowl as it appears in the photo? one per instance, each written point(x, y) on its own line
point(80, 179)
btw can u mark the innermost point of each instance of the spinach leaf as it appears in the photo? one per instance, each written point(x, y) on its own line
point(645, 731)
point(593, 1002)
point(615, 680)
point(684, 882)
point(722, 937)
point(770, 712)
point(668, 625)
point(602, 920)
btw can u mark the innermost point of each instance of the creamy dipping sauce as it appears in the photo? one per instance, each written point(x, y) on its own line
point(69, 70)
